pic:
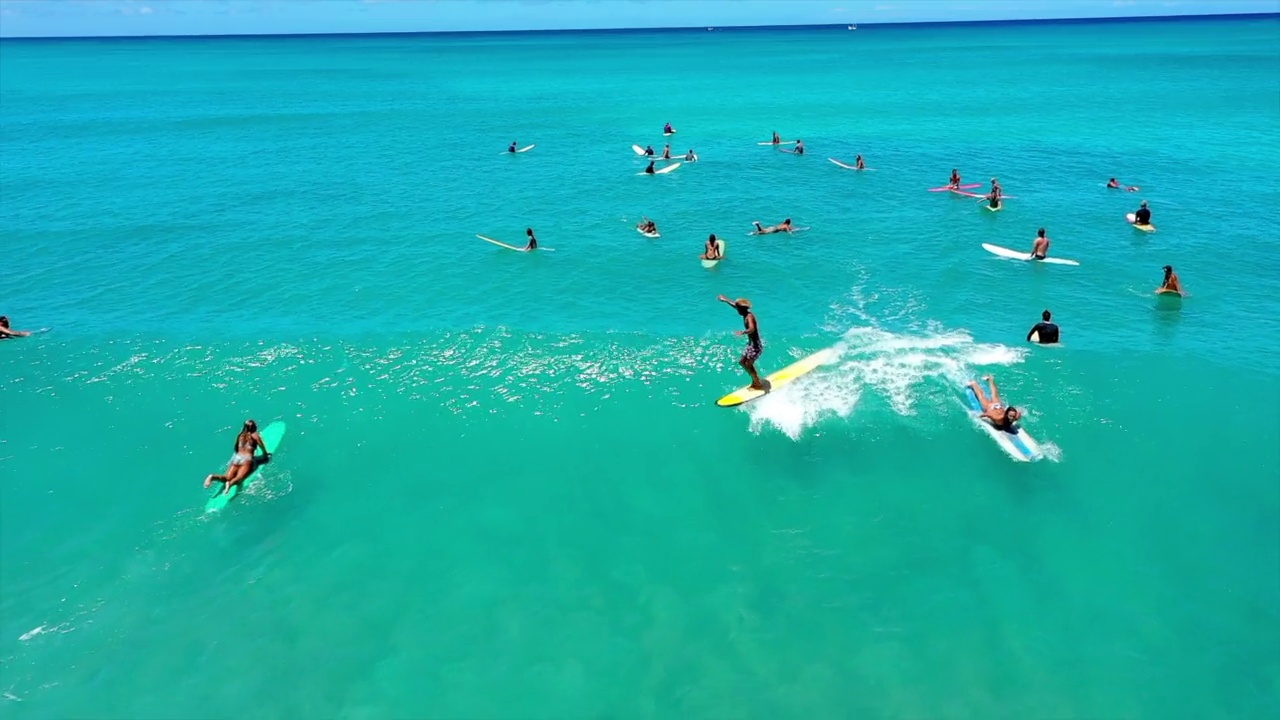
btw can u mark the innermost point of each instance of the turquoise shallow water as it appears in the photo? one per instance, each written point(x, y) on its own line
point(506, 491)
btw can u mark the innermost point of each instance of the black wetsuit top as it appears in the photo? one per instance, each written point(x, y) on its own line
point(1142, 217)
point(1048, 333)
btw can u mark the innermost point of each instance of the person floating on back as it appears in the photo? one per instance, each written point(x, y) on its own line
point(754, 346)
point(993, 410)
point(7, 332)
point(1044, 332)
point(1040, 248)
point(1171, 283)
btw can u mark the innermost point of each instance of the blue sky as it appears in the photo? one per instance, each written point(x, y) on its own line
point(60, 18)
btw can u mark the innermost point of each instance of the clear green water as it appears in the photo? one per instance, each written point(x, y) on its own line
point(506, 491)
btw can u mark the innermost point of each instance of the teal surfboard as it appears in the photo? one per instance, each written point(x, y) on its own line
point(271, 436)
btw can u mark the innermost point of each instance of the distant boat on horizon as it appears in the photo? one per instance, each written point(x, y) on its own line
point(853, 27)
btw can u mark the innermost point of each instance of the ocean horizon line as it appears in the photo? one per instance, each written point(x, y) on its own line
point(1135, 19)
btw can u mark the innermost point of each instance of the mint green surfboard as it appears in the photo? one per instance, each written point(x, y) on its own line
point(271, 436)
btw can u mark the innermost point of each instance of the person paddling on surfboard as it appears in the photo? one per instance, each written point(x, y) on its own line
point(7, 332)
point(533, 241)
point(993, 409)
point(784, 226)
point(242, 461)
point(1143, 215)
point(1115, 184)
point(754, 346)
point(858, 164)
point(648, 150)
point(1040, 248)
point(1171, 282)
point(954, 183)
point(711, 251)
point(649, 170)
point(1044, 332)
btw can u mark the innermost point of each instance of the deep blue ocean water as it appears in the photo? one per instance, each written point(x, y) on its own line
point(506, 491)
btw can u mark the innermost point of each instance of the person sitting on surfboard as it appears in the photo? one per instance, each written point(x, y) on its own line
point(754, 347)
point(648, 150)
point(996, 193)
point(1171, 283)
point(666, 152)
point(1143, 215)
point(799, 148)
point(690, 157)
point(533, 241)
point(954, 183)
point(711, 251)
point(647, 226)
point(1045, 332)
point(242, 462)
point(513, 147)
point(858, 164)
point(649, 170)
point(784, 226)
point(776, 140)
point(1113, 183)
point(993, 410)
point(667, 129)
point(7, 332)
point(1040, 248)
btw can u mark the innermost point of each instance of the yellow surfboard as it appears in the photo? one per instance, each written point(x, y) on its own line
point(776, 380)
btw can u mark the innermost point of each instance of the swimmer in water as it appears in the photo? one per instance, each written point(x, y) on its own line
point(1171, 283)
point(754, 345)
point(954, 183)
point(857, 163)
point(533, 241)
point(1040, 248)
point(242, 460)
point(784, 226)
point(993, 410)
point(1045, 331)
point(711, 251)
point(7, 332)
point(649, 170)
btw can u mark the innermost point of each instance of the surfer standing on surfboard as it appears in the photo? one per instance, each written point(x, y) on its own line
point(993, 409)
point(752, 331)
point(1040, 248)
point(242, 462)
point(7, 332)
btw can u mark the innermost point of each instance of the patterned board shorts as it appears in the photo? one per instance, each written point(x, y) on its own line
point(752, 352)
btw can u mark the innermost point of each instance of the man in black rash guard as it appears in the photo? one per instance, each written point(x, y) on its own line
point(1143, 216)
point(1045, 331)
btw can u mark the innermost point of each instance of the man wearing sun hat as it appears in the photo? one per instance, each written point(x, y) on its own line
point(754, 345)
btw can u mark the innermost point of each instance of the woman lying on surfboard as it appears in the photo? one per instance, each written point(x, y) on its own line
point(784, 226)
point(993, 409)
point(242, 462)
point(1114, 184)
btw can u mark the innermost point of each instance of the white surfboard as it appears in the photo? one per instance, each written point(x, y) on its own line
point(1018, 444)
point(668, 134)
point(713, 263)
point(784, 142)
point(510, 247)
point(649, 234)
point(638, 150)
point(1015, 255)
point(526, 148)
point(668, 168)
point(846, 167)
